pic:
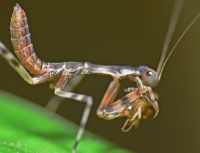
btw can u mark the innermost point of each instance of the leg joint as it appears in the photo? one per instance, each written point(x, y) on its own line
point(57, 91)
point(3, 49)
point(89, 100)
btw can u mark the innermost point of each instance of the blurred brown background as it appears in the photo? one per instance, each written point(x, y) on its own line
point(123, 33)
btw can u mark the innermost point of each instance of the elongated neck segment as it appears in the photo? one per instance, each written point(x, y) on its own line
point(112, 70)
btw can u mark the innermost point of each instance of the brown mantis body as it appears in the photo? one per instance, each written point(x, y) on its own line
point(138, 103)
point(63, 73)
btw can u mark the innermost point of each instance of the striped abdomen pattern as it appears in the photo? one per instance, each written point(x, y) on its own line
point(21, 41)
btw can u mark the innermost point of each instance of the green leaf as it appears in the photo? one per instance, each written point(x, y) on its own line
point(27, 128)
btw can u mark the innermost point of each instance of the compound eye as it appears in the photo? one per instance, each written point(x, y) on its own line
point(149, 73)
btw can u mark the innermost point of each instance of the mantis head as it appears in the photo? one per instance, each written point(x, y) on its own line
point(148, 76)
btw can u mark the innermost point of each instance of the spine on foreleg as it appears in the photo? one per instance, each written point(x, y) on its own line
point(21, 41)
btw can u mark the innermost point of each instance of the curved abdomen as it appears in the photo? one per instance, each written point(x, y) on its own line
point(22, 44)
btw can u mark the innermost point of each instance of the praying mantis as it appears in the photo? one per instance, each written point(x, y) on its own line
point(140, 102)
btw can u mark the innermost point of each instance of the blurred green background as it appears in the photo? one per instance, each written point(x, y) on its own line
point(123, 33)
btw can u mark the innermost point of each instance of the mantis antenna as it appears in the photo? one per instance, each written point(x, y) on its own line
point(177, 42)
point(171, 28)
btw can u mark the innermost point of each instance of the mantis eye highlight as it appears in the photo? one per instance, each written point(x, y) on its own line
point(149, 73)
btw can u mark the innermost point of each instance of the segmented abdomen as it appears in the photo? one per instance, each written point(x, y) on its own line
point(21, 41)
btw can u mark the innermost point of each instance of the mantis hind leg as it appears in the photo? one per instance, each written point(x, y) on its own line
point(59, 90)
point(18, 67)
